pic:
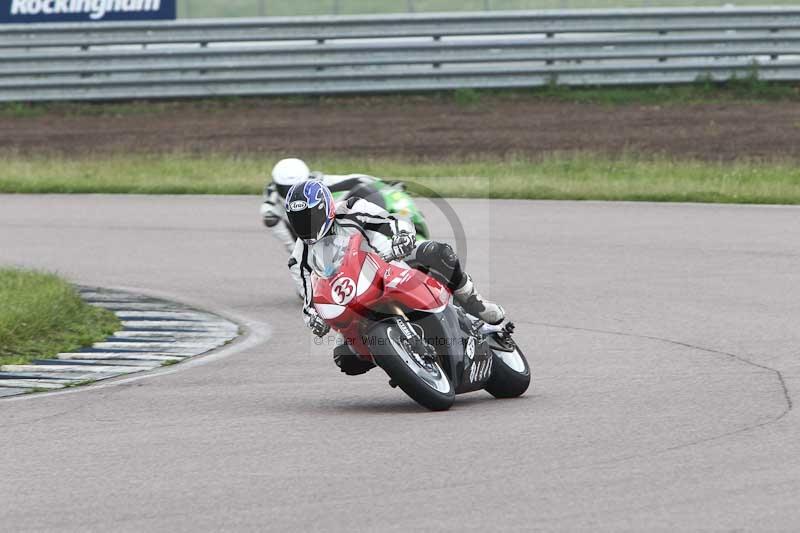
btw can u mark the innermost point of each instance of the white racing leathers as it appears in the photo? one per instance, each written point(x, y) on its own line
point(273, 205)
point(356, 215)
point(273, 209)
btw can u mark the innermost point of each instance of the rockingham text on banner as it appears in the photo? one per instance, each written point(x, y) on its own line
point(25, 11)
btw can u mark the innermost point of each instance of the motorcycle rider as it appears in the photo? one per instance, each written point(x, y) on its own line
point(313, 215)
point(290, 171)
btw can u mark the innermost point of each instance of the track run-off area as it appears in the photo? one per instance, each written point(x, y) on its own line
point(664, 342)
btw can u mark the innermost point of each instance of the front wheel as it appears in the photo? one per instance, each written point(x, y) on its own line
point(423, 380)
point(511, 374)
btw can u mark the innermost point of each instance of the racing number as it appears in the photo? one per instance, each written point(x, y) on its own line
point(343, 290)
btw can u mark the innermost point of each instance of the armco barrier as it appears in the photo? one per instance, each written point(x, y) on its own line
point(319, 55)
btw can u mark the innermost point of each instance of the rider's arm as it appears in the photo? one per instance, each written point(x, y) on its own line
point(271, 196)
point(378, 225)
point(298, 268)
point(270, 210)
point(284, 234)
point(372, 217)
point(273, 215)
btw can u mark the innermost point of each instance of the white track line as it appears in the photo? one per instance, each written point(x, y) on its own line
point(128, 352)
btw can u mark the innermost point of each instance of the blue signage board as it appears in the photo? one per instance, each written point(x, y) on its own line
point(23, 11)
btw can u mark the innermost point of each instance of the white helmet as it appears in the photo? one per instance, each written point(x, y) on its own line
point(288, 172)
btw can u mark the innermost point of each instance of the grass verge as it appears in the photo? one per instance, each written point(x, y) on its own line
point(748, 88)
point(42, 315)
point(582, 176)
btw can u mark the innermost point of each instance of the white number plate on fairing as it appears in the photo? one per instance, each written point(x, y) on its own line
point(343, 291)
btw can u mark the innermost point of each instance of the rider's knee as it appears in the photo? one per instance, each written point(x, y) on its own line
point(437, 253)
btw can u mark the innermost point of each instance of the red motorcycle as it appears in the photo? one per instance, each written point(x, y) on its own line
point(406, 322)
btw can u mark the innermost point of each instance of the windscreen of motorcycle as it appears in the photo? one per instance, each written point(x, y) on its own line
point(327, 254)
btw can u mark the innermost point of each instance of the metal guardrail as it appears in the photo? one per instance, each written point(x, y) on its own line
point(317, 55)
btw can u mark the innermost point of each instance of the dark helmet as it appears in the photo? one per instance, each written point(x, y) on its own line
point(310, 208)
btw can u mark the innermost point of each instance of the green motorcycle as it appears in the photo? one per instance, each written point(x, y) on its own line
point(390, 195)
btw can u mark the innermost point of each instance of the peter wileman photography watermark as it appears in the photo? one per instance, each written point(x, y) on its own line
point(373, 341)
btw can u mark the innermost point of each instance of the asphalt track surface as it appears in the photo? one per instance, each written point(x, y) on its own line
point(664, 340)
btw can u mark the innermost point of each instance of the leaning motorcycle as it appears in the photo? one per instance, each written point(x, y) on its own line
point(407, 323)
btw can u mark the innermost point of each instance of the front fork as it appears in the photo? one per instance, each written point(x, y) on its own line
point(422, 349)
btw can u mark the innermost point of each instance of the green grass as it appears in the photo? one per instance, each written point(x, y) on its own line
point(746, 89)
point(81, 383)
point(575, 176)
point(126, 108)
point(42, 315)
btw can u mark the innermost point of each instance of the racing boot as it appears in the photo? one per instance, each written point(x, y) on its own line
point(350, 363)
point(473, 303)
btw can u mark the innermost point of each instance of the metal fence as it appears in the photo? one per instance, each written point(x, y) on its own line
point(284, 8)
point(322, 55)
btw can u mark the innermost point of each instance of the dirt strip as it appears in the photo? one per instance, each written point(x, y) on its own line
point(423, 127)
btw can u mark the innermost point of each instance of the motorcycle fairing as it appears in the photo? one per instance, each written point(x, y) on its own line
point(376, 283)
point(414, 289)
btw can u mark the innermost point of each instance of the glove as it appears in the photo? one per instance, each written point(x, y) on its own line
point(317, 325)
point(403, 244)
point(269, 216)
point(271, 221)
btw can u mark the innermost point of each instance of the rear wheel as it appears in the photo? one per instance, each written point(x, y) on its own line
point(511, 374)
point(422, 378)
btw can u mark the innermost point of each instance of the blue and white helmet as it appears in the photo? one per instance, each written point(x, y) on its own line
point(310, 208)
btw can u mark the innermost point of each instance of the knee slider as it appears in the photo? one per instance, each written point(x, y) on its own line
point(449, 256)
point(437, 253)
point(427, 252)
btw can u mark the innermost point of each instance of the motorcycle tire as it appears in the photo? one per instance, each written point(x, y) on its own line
point(511, 373)
point(428, 385)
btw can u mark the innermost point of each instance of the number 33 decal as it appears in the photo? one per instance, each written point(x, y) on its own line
point(343, 291)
